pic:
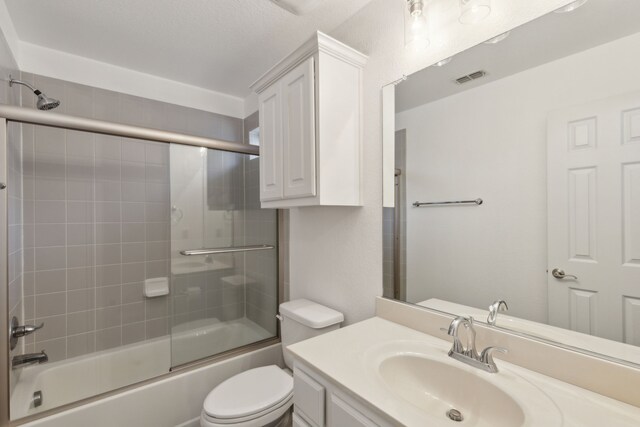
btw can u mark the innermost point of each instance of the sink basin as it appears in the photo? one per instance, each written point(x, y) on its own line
point(432, 386)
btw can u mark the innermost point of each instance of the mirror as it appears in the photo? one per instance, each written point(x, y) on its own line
point(531, 144)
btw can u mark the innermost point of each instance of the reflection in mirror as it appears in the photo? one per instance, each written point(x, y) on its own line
point(543, 125)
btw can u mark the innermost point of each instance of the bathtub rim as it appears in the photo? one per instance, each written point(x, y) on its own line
point(174, 371)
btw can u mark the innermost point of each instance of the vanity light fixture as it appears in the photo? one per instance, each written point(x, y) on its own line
point(498, 38)
point(416, 27)
point(443, 62)
point(474, 11)
point(571, 6)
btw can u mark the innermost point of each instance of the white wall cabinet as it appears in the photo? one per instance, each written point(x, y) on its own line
point(311, 127)
point(319, 403)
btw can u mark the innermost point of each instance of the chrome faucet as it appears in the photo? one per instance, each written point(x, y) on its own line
point(468, 354)
point(494, 309)
point(28, 359)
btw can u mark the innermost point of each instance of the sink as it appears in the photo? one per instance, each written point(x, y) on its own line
point(432, 386)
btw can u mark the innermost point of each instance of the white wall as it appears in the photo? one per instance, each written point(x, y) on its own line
point(336, 253)
point(490, 142)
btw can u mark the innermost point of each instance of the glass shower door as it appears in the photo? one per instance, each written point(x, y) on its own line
point(224, 256)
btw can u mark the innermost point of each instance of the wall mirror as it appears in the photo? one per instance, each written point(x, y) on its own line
point(513, 173)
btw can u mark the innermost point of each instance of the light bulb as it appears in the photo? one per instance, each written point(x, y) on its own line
point(443, 62)
point(474, 11)
point(571, 6)
point(417, 36)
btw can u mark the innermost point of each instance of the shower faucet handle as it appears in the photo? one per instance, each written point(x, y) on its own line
point(24, 330)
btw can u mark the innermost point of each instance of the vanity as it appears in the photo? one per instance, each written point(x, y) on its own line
point(382, 373)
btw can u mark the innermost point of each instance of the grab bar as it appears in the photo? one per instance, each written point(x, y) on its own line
point(457, 202)
point(227, 250)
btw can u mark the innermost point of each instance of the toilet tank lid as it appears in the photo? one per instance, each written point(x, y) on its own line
point(310, 314)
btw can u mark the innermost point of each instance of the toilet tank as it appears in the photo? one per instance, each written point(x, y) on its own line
point(302, 319)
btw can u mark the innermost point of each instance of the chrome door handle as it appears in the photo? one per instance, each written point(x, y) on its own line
point(560, 274)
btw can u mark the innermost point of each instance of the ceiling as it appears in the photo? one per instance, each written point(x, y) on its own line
point(220, 45)
point(546, 39)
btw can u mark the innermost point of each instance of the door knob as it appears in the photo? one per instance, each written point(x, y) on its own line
point(560, 274)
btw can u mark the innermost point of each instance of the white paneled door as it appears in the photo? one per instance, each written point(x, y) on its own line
point(271, 144)
point(593, 169)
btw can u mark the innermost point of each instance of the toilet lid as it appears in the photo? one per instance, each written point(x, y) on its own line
point(248, 393)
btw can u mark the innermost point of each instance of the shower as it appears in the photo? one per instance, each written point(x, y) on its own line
point(44, 102)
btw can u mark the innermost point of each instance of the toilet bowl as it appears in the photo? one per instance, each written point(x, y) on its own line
point(262, 397)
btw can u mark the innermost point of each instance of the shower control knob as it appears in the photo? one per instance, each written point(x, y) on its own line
point(21, 331)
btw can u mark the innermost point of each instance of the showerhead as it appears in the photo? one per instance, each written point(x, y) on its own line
point(44, 102)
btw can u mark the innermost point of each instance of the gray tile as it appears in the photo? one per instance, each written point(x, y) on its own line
point(80, 144)
point(51, 304)
point(80, 278)
point(133, 191)
point(107, 296)
point(157, 173)
point(132, 212)
point(78, 345)
point(158, 231)
point(156, 307)
point(56, 349)
point(132, 273)
point(80, 189)
point(157, 269)
point(47, 282)
point(28, 283)
point(50, 189)
point(133, 232)
point(156, 192)
point(133, 332)
point(132, 313)
point(108, 147)
point(108, 254)
point(49, 140)
point(107, 169)
point(108, 338)
point(107, 211)
point(51, 258)
point(80, 211)
point(80, 234)
point(108, 191)
point(54, 327)
point(132, 292)
point(107, 233)
point(80, 300)
point(157, 327)
point(157, 153)
point(49, 235)
point(133, 150)
point(133, 171)
point(80, 256)
point(106, 105)
point(29, 310)
point(107, 275)
point(49, 165)
point(79, 100)
point(157, 212)
point(108, 317)
point(49, 212)
point(157, 251)
point(81, 321)
point(80, 168)
point(133, 252)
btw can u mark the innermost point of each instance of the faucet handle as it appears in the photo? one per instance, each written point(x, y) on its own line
point(494, 309)
point(487, 354)
point(21, 331)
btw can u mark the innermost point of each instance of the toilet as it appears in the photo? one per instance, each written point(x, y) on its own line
point(262, 397)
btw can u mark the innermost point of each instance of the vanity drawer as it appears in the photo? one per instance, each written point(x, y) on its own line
point(308, 397)
point(299, 421)
point(343, 414)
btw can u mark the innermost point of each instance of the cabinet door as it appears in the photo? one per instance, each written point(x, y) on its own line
point(298, 127)
point(342, 414)
point(271, 144)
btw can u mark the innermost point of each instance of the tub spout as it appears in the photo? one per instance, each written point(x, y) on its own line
point(29, 359)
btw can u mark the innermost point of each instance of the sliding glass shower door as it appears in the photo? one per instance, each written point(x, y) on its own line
point(224, 255)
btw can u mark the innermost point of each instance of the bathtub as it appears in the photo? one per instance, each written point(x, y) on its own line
point(81, 377)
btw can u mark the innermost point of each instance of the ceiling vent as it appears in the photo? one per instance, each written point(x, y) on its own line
point(298, 7)
point(470, 77)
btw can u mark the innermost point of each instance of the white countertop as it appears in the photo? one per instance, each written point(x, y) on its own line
point(345, 356)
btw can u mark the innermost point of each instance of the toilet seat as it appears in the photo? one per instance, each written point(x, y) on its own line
point(252, 394)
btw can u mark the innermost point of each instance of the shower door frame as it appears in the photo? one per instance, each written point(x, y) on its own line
point(9, 113)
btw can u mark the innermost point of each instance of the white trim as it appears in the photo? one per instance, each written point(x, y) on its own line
point(65, 66)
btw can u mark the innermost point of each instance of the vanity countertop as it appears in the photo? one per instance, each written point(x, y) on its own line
point(348, 356)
